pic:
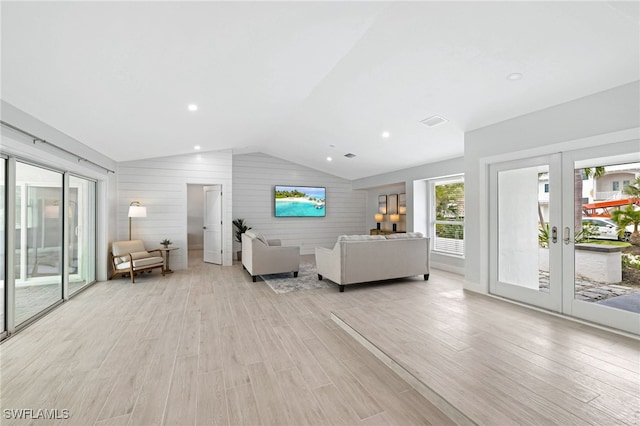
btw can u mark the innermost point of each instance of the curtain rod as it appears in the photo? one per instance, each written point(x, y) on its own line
point(38, 139)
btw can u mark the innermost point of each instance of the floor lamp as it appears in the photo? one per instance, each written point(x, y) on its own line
point(136, 210)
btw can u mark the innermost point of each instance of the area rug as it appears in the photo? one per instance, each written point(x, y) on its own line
point(307, 279)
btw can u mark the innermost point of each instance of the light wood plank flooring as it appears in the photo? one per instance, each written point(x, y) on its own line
point(203, 346)
point(208, 346)
point(500, 363)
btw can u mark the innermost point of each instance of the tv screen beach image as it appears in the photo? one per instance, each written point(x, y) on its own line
point(299, 201)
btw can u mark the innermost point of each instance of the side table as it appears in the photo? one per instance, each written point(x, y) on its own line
point(166, 252)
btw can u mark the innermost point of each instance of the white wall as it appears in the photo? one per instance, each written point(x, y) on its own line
point(161, 184)
point(415, 182)
point(22, 147)
point(255, 175)
point(589, 121)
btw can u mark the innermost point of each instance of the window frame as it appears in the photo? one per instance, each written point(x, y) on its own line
point(434, 221)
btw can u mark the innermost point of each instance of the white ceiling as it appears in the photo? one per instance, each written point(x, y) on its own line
point(306, 80)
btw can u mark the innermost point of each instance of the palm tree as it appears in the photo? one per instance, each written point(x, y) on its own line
point(595, 172)
point(625, 217)
point(633, 189)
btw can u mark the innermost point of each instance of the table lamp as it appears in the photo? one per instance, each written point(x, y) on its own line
point(394, 218)
point(379, 218)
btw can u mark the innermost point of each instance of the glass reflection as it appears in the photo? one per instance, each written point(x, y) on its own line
point(38, 240)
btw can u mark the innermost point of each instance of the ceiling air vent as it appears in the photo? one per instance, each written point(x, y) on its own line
point(349, 155)
point(434, 121)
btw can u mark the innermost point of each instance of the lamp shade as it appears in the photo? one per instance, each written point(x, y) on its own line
point(394, 218)
point(52, 212)
point(136, 210)
point(378, 217)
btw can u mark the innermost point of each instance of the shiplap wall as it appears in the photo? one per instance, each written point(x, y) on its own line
point(160, 184)
point(255, 175)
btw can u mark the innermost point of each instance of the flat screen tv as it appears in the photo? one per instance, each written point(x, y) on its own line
point(299, 201)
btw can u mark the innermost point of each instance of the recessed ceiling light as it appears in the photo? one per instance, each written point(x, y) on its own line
point(514, 76)
point(193, 107)
point(197, 147)
point(385, 134)
point(329, 159)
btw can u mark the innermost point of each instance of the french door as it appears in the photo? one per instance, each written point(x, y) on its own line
point(526, 231)
point(541, 255)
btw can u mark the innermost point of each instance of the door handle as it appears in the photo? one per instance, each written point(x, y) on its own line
point(567, 233)
point(204, 227)
point(554, 234)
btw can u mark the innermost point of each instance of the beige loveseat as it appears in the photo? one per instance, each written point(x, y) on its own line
point(365, 258)
point(261, 256)
point(129, 257)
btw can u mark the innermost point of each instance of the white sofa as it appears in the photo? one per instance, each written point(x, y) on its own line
point(261, 256)
point(365, 258)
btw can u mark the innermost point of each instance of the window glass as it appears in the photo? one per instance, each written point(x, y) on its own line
point(81, 233)
point(38, 241)
point(4, 244)
point(449, 216)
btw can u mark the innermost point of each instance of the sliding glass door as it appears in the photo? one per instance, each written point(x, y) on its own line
point(38, 240)
point(3, 294)
point(559, 230)
point(48, 234)
point(81, 231)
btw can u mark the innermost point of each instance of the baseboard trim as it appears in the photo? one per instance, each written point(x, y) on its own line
point(566, 317)
point(448, 268)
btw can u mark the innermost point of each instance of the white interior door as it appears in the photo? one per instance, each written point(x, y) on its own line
point(213, 224)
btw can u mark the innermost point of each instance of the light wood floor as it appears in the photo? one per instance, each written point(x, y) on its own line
point(503, 364)
point(208, 346)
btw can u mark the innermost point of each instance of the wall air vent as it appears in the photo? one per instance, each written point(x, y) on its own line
point(433, 121)
point(349, 155)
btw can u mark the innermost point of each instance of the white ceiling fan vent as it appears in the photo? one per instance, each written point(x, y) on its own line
point(349, 155)
point(434, 120)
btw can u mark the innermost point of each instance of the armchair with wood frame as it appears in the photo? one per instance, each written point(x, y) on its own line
point(130, 257)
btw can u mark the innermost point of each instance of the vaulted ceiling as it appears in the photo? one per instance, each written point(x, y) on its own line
point(306, 80)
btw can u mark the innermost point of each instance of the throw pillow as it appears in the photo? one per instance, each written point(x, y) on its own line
point(262, 238)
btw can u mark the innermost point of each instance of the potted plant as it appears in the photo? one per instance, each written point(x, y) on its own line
point(166, 242)
point(241, 228)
